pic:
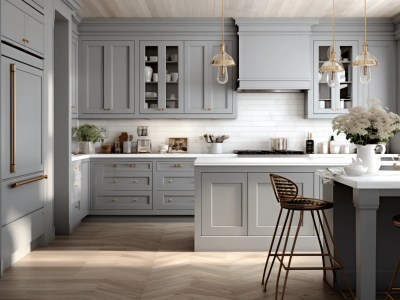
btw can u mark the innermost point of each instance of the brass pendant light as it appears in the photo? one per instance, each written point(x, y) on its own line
point(365, 60)
point(222, 60)
point(332, 68)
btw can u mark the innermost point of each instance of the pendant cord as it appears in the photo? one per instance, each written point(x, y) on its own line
point(222, 21)
point(333, 26)
point(365, 21)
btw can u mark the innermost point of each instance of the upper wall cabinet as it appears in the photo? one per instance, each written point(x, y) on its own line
point(329, 102)
point(274, 56)
point(107, 88)
point(161, 85)
point(23, 25)
point(203, 94)
point(74, 71)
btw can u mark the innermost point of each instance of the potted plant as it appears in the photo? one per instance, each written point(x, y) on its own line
point(88, 135)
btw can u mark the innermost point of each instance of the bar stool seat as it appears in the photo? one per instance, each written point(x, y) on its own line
point(286, 193)
point(391, 288)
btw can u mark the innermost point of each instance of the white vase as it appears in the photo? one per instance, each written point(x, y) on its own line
point(87, 147)
point(369, 157)
point(148, 72)
point(216, 148)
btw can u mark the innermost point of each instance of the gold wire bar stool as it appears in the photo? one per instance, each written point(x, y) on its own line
point(286, 192)
point(391, 288)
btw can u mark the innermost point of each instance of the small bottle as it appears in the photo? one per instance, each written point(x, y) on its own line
point(309, 144)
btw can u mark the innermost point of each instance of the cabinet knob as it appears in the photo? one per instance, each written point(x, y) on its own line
point(115, 181)
point(169, 200)
point(114, 200)
point(107, 109)
point(133, 165)
point(134, 200)
point(25, 40)
point(178, 166)
point(116, 165)
point(77, 205)
point(170, 181)
point(135, 181)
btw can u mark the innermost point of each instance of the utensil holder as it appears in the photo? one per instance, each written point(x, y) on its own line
point(216, 148)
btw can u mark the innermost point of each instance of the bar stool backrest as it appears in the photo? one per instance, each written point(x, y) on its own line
point(284, 188)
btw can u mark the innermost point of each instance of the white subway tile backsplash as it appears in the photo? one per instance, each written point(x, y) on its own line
point(260, 117)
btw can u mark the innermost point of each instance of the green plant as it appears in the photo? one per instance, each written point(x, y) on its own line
point(87, 133)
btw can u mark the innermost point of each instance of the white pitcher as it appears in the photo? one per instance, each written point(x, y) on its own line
point(369, 157)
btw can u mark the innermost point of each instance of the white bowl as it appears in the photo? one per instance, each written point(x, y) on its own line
point(151, 95)
point(355, 171)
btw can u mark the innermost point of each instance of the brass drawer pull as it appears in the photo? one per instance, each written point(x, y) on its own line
point(169, 200)
point(134, 200)
point(178, 166)
point(135, 181)
point(170, 181)
point(25, 40)
point(115, 181)
point(133, 165)
point(114, 200)
point(30, 180)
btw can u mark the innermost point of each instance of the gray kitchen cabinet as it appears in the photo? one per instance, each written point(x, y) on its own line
point(224, 204)
point(107, 83)
point(79, 203)
point(161, 77)
point(383, 82)
point(22, 141)
point(121, 187)
point(329, 102)
point(203, 94)
point(74, 72)
point(264, 208)
point(174, 187)
point(22, 24)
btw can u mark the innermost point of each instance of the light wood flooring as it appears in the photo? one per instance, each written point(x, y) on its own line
point(137, 258)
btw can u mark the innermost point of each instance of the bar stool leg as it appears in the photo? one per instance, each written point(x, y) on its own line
point(291, 253)
point(320, 243)
point(283, 254)
point(392, 281)
point(272, 244)
point(275, 254)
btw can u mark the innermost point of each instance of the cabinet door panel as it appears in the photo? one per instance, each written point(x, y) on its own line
point(264, 209)
point(122, 81)
point(224, 209)
point(34, 31)
point(12, 22)
point(29, 111)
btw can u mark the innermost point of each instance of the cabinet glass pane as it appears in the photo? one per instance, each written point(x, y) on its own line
point(325, 92)
point(346, 97)
point(151, 77)
point(172, 77)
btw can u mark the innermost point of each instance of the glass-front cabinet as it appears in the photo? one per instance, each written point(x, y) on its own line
point(332, 101)
point(161, 77)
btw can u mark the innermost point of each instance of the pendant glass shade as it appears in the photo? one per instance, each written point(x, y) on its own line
point(332, 70)
point(365, 60)
point(222, 60)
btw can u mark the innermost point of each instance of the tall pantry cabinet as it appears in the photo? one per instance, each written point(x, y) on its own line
point(21, 133)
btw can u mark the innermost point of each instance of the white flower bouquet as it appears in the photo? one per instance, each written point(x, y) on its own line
point(372, 125)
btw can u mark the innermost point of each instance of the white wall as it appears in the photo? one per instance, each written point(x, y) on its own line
point(260, 117)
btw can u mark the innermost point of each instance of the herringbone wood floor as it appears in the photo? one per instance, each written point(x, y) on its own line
point(131, 259)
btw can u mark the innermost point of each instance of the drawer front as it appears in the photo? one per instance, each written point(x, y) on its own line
point(132, 183)
point(127, 166)
point(175, 166)
point(175, 200)
point(20, 201)
point(133, 201)
point(180, 181)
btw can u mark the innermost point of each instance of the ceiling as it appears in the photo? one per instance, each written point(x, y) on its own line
point(236, 8)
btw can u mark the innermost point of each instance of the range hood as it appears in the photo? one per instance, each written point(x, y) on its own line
point(275, 55)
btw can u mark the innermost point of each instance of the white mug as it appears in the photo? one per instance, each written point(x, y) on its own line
point(174, 77)
point(155, 77)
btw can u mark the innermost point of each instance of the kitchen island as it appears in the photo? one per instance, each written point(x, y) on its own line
point(235, 207)
point(363, 229)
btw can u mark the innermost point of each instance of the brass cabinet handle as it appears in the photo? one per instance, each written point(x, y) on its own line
point(107, 109)
point(116, 165)
point(26, 181)
point(115, 181)
point(114, 200)
point(178, 166)
point(13, 82)
point(134, 200)
point(170, 181)
point(135, 181)
point(133, 165)
point(169, 200)
point(130, 165)
point(25, 40)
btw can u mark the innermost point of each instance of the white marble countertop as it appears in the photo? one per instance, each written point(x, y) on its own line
point(381, 180)
point(275, 161)
point(150, 155)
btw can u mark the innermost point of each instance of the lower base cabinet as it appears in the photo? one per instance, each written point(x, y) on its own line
point(237, 210)
point(142, 187)
point(79, 204)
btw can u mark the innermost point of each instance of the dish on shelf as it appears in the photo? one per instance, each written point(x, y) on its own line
point(151, 95)
point(153, 58)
